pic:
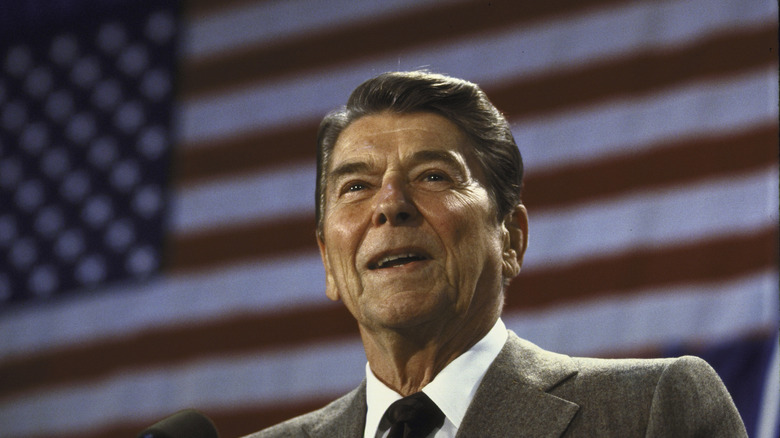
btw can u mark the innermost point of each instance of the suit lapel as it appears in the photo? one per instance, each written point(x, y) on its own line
point(345, 418)
point(514, 397)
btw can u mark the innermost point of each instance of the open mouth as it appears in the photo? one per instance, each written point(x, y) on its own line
point(395, 260)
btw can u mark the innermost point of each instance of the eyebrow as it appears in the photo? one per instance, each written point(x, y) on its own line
point(446, 157)
point(348, 168)
point(419, 157)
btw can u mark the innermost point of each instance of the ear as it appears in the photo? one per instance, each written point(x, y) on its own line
point(330, 284)
point(515, 241)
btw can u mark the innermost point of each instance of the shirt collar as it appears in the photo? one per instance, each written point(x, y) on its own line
point(452, 389)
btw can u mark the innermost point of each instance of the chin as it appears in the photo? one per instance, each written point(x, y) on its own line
point(407, 313)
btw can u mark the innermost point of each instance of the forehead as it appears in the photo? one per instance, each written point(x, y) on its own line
point(389, 133)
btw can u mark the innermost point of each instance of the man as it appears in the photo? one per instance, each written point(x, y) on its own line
point(421, 227)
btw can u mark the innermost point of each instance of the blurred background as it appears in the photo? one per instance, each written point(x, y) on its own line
point(157, 166)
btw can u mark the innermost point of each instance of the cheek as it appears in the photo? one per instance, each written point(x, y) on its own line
point(343, 234)
point(469, 217)
point(344, 227)
point(466, 229)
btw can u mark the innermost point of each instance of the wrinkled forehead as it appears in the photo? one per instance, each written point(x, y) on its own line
point(383, 136)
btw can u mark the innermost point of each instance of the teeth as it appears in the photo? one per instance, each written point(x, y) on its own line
point(389, 259)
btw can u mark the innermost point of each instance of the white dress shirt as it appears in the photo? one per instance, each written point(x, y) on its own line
point(452, 389)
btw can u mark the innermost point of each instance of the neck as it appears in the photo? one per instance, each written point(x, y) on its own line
point(408, 359)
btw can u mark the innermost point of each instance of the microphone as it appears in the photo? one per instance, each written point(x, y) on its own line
point(188, 423)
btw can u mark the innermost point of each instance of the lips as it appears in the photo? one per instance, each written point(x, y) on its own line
point(397, 258)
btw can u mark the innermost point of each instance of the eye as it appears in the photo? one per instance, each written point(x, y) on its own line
point(354, 187)
point(436, 179)
point(435, 176)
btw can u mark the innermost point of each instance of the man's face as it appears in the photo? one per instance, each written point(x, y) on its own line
point(410, 233)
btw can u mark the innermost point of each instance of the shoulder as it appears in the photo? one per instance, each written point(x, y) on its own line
point(660, 377)
point(641, 370)
point(668, 397)
point(681, 396)
point(662, 397)
point(347, 412)
point(690, 398)
point(536, 365)
point(645, 382)
point(627, 374)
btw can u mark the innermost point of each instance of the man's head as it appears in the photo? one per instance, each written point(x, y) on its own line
point(419, 214)
point(461, 102)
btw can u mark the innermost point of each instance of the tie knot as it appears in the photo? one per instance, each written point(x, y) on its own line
point(414, 416)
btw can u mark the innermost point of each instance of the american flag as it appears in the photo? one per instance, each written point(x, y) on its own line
point(157, 245)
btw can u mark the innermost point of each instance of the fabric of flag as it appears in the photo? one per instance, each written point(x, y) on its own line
point(157, 177)
point(86, 110)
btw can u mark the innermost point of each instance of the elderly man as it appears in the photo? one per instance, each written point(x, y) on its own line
point(421, 227)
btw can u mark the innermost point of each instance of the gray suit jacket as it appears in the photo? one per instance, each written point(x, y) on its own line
point(530, 392)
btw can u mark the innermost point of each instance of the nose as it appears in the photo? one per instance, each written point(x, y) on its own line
point(394, 205)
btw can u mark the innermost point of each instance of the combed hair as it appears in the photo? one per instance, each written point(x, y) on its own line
point(461, 102)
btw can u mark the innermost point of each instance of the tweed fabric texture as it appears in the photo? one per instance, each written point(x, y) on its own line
point(530, 392)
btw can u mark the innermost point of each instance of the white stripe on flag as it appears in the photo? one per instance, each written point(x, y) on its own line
point(117, 312)
point(641, 123)
point(557, 238)
point(246, 380)
point(268, 22)
point(284, 101)
point(611, 129)
point(723, 311)
point(713, 312)
point(278, 193)
point(731, 205)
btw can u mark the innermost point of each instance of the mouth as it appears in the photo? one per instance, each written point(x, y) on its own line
point(396, 259)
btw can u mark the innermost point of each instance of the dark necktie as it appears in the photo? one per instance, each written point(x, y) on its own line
point(414, 416)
